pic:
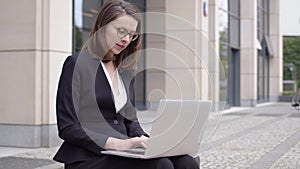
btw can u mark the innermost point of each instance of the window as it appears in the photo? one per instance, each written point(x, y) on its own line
point(229, 37)
point(84, 14)
point(264, 53)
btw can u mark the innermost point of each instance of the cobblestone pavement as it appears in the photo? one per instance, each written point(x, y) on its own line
point(255, 138)
point(262, 137)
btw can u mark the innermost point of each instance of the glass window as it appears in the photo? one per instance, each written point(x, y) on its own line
point(223, 26)
point(223, 4)
point(265, 52)
point(229, 36)
point(85, 12)
point(234, 7)
point(266, 23)
point(224, 71)
point(234, 32)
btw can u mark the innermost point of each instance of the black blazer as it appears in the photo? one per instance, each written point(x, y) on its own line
point(86, 114)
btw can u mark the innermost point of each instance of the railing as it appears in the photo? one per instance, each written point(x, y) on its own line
point(296, 100)
point(292, 83)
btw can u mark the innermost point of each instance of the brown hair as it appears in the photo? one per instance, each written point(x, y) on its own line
point(111, 10)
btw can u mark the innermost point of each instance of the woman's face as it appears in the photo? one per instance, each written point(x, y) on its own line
point(120, 32)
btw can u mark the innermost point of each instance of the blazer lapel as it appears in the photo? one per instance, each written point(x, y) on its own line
point(103, 91)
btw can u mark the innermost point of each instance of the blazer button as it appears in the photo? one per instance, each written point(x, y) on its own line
point(116, 122)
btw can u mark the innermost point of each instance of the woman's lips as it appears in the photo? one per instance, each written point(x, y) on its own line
point(120, 47)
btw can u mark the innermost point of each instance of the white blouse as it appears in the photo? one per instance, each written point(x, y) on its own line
point(121, 99)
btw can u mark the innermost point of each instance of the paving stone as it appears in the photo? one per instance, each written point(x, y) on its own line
point(290, 159)
point(23, 163)
point(243, 151)
point(224, 129)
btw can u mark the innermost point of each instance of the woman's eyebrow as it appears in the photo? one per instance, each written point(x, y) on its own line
point(119, 26)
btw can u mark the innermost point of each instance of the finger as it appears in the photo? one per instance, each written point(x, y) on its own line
point(143, 145)
point(135, 142)
point(145, 141)
point(139, 139)
point(143, 138)
point(139, 142)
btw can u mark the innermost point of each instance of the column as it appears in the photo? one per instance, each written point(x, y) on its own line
point(155, 52)
point(186, 54)
point(36, 38)
point(276, 72)
point(248, 53)
point(214, 61)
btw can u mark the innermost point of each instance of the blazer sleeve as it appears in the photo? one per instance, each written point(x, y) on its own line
point(133, 126)
point(67, 102)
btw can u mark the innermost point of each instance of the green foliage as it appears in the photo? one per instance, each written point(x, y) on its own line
point(291, 54)
point(287, 93)
point(78, 39)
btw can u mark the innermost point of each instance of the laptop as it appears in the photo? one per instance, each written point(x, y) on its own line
point(177, 130)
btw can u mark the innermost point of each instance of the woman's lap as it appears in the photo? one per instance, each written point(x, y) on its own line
point(116, 162)
point(184, 162)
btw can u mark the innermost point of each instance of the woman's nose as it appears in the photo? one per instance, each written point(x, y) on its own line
point(126, 38)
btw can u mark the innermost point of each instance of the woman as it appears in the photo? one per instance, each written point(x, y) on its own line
point(95, 109)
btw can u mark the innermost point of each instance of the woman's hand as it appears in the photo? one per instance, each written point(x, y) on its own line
point(121, 145)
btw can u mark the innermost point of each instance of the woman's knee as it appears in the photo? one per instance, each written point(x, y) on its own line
point(164, 163)
point(184, 162)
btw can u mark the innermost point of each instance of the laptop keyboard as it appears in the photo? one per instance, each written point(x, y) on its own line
point(140, 151)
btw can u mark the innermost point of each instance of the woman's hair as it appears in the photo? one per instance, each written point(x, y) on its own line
point(111, 10)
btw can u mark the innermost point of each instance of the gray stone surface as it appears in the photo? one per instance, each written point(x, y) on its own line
point(291, 159)
point(29, 135)
point(23, 163)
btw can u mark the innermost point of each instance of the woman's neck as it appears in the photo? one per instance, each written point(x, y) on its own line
point(110, 65)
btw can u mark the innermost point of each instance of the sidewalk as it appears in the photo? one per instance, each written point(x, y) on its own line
point(263, 137)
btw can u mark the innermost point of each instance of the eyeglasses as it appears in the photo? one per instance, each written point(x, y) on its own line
point(122, 32)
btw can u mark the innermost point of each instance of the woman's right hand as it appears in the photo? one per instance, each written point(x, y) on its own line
point(121, 145)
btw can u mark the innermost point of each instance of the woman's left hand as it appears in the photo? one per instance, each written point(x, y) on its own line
point(121, 145)
point(143, 142)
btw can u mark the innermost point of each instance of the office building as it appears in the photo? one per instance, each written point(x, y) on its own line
point(231, 48)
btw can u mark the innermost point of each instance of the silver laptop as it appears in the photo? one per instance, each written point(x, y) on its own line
point(177, 130)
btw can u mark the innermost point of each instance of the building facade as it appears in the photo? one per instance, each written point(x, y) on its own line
point(228, 51)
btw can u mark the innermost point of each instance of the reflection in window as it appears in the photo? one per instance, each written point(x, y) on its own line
point(224, 71)
point(223, 26)
point(85, 12)
point(223, 47)
point(229, 37)
point(223, 4)
point(264, 54)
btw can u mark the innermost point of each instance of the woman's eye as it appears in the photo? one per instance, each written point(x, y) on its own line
point(122, 31)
